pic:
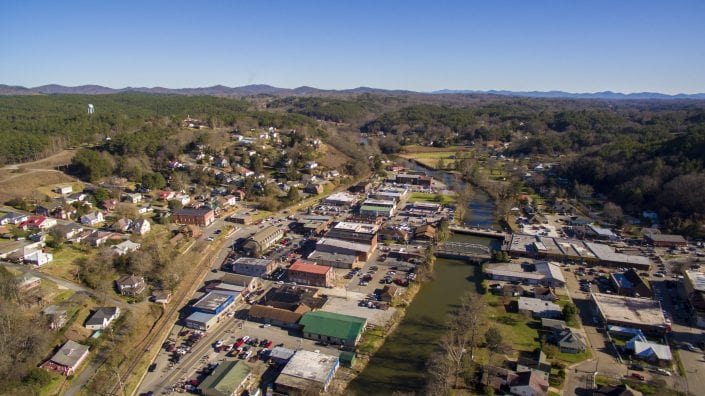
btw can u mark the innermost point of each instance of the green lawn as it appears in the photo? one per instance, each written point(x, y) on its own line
point(571, 358)
point(519, 330)
point(430, 197)
point(63, 264)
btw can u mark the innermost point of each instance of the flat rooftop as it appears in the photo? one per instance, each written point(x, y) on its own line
point(697, 279)
point(361, 228)
point(310, 365)
point(629, 309)
point(211, 301)
point(253, 261)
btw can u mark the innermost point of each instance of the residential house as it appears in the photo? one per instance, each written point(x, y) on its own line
point(166, 195)
point(108, 204)
point(311, 165)
point(184, 199)
point(122, 225)
point(651, 351)
point(141, 227)
point(56, 208)
point(102, 318)
point(56, 316)
point(63, 190)
point(38, 258)
point(125, 247)
point(538, 308)
point(92, 218)
point(75, 197)
point(314, 188)
point(67, 359)
point(528, 383)
point(26, 282)
point(134, 198)
point(534, 361)
point(99, 238)
point(67, 231)
point(545, 293)
point(38, 223)
point(13, 218)
point(130, 285)
point(161, 296)
point(616, 390)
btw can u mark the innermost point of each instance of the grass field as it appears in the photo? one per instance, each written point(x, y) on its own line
point(429, 197)
point(519, 331)
point(64, 265)
point(429, 156)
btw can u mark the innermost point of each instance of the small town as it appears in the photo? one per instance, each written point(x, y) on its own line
point(352, 198)
point(292, 300)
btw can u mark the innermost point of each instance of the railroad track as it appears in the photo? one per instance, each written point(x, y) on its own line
point(166, 319)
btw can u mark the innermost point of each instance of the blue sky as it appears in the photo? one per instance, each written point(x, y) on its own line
point(571, 45)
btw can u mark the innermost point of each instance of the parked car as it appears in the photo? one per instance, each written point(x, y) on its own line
point(638, 376)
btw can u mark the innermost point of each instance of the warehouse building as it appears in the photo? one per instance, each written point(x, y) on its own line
point(665, 240)
point(311, 274)
point(213, 303)
point(340, 199)
point(253, 266)
point(307, 372)
point(201, 216)
point(541, 273)
point(263, 240)
point(229, 378)
point(694, 284)
point(640, 313)
point(332, 328)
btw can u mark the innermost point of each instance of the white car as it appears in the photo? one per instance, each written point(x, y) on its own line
point(245, 338)
point(219, 343)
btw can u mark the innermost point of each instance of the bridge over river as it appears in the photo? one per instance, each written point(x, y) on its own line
point(464, 251)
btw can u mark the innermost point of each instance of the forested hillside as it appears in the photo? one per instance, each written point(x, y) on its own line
point(640, 154)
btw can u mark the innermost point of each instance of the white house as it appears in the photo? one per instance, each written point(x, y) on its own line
point(102, 318)
point(141, 227)
point(92, 219)
point(38, 258)
point(311, 165)
point(63, 190)
point(125, 247)
point(183, 198)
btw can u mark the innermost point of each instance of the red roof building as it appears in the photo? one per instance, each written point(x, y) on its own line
point(311, 274)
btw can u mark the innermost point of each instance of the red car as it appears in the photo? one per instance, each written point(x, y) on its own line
point(638, 376)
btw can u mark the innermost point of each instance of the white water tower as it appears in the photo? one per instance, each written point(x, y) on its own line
point(90, 108)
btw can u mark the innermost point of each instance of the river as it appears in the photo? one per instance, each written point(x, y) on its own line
point(400, 364)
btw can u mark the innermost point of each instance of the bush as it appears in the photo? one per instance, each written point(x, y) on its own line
point(38, 377)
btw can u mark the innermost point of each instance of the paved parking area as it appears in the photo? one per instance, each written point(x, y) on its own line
point(349, 305)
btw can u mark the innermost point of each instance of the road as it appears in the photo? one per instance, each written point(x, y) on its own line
point(604, 357)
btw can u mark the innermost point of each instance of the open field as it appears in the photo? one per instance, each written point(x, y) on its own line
point(27, 183)
point(63, 266)
point(429, 197)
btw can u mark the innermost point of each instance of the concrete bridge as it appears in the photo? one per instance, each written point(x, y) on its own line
point(484, 232)
point(464, 251)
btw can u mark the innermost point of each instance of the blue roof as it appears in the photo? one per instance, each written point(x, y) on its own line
point(201, 317)
point(622, 281)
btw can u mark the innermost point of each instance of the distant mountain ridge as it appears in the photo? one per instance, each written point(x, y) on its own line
point(573, 95)
point(264, 89)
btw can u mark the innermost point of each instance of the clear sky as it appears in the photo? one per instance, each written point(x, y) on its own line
point(570, 45)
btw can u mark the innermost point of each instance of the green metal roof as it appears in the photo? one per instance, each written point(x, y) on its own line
point(375, 208)
point(226, 378)
point(331, 324)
